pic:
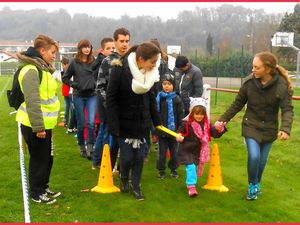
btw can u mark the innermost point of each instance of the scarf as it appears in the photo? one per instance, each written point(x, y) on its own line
point(169, 98)
point(142, 80)
point(204, 136)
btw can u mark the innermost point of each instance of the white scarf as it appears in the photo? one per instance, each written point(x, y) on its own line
point(142, 80)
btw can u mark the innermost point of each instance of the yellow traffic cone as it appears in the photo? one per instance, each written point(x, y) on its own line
point(214, 180)
point(105, 181)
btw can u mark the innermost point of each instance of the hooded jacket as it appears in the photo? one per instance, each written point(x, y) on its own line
point(260, 121)
point(31, 81)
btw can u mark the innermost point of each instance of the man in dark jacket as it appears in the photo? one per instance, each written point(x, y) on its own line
point(191, 81)
point(107, 48)
point(121, 40)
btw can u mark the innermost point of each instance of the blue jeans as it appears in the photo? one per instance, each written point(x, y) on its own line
point(257, 159)
point(132, 159)
point(91, 104)
point(191, 174)
point(102, 139)
point(67, 109)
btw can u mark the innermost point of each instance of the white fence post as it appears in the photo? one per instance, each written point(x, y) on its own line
point(206, 95)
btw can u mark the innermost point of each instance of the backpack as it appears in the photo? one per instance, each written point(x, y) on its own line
point(15, 96)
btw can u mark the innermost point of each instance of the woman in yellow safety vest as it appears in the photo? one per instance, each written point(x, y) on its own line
point(38, 114)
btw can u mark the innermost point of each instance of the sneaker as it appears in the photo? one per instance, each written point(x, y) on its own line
point(192, 191)
point(69, 131)
point(89, 151)
point(52, 193)
point(44, 199)
point(95, 166)
point(138, 195)
point(252, 192)
point(161, 175)
point(258, 189)
point(82, 151)
point(124, 185)
point(174, 174)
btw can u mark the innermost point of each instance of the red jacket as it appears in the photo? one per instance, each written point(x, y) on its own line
point(65, 90)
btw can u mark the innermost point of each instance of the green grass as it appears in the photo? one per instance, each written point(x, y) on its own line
point(166, 200)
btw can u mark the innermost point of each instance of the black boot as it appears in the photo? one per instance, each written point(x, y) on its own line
point(124, 184)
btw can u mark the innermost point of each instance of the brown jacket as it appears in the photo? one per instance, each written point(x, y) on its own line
point(260, 121)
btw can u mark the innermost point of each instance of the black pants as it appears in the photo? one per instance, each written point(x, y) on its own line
point(41, 160)
point(132, 160)
point(114, 151)
point(165, 143)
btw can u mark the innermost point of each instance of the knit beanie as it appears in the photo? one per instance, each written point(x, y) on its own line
point(169, 76)
point(195, 102)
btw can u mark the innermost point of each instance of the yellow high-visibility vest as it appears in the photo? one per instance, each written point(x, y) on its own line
point(50, 104)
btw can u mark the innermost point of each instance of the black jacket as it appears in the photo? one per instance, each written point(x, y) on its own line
point(189, 149)
point(130, 115)
point(84, 83)
point(178, 111)
point(102, 83)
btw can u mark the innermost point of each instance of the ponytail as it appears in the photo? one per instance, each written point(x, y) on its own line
point(270, 60)
point(282, 71)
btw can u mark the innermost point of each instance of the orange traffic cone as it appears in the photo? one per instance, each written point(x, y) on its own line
point(168, 154)
point(105, 182)
point(214, 180)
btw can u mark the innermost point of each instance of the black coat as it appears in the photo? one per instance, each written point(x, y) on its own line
point(189, 149)
point(129, 115)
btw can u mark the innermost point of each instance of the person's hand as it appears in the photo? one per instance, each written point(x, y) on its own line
point(179, 138)
point(41, 134)
point(283, 136)
point(219, 125)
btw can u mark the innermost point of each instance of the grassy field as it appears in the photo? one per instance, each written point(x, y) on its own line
point(165, 200)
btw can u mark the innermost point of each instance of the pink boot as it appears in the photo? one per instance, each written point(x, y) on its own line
point(192, 191)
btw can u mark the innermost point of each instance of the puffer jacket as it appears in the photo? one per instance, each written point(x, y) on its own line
point(190, 85)
point(260, 121)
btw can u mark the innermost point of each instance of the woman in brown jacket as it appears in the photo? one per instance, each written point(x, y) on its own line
point(264, 91)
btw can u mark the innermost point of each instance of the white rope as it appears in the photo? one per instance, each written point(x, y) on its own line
point(4, 88)
point(23, 176)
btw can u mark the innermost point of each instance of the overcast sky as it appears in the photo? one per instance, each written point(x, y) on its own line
point(165, 10)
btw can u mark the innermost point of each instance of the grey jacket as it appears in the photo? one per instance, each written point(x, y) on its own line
point(190, 85)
